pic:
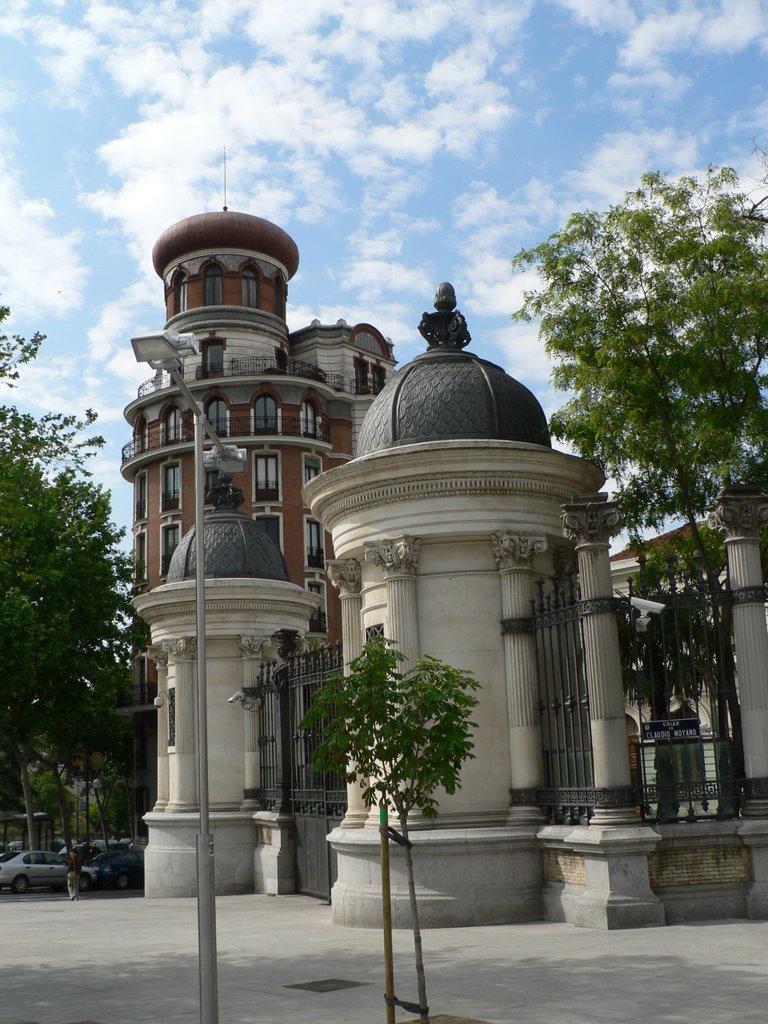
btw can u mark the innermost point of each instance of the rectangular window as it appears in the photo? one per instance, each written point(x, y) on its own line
point(140, 492)
point(267, 486)
point(211, 480)
point(171, 493)
point(140, 557)
point(361, 377)
point(213, 358)
point(170, 542)
point(378, 377)
point(315, 554)
point(317, 622)
point(270, 525)
point(311, 469)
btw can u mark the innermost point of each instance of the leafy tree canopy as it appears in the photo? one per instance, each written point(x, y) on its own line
point(656, 315)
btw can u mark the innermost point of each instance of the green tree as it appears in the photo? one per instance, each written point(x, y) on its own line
point(403, 734)
point(64, 589)
point(655, 313)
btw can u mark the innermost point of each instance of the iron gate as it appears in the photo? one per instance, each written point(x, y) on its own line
point(679, 682)
point(315, 800)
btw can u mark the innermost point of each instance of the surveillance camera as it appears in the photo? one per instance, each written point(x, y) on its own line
point(647, 607)
point(158, 701)
point(235, 697)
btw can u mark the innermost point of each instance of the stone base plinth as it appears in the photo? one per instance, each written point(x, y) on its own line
point(274, 858)
point(463, 877)
point(170, 859)
point(598, 877)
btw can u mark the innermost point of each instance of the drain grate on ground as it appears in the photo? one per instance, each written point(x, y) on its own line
point(327, 985)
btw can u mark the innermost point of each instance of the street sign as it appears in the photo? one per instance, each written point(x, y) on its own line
point(672, 729)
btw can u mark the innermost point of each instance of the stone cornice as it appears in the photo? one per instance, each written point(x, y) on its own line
point(468, 468)
point(180, 609)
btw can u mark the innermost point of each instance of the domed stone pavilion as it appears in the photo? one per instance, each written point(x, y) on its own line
point(440, 525)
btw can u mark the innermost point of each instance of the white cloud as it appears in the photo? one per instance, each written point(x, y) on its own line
point(41, 271)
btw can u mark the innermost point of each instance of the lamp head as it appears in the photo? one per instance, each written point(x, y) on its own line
point(163, 350)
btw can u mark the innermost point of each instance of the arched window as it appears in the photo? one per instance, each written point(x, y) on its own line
point(212, 285)
point(250, 284)
point(309, 419)
point(216, 411)
point(140, 435)
point(279, 300)
point(172, 425)
point(180, 293)
point(265, 415)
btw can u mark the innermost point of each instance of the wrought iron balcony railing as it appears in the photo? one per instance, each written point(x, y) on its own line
point(246, 425)
point(254, 366)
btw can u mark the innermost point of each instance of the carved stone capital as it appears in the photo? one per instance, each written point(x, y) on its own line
point(739, 511)
point(345, 574)
point(398, 557)
point(591, 521)
point(158, 653)
point(184, 648)
point(515, 550)
point(252, 646)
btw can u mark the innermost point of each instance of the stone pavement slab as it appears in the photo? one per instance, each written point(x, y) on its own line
point(134, 961)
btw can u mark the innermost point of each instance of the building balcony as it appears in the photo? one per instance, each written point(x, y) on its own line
point(267, 490)
point(254, 366)
point(318, 623)
point(169, 501)
point(316, 558)
point(155, 438)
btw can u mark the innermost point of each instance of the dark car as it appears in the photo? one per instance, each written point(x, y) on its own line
point(123, 869)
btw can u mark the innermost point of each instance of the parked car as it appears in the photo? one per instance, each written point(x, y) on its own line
point(21, 871)
point(122, 868)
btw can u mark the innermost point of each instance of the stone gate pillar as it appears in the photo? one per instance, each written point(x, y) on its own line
point(398, 560)
point(591, 523)
point(182, 711)
point(346, 576)
point(741, 512)
point(159, 654)
point(251, 648)
point(513, 554)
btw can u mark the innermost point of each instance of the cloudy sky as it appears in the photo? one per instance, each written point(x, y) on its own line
point(400, 142)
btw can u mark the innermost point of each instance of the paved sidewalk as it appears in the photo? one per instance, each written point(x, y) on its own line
point(119, 960)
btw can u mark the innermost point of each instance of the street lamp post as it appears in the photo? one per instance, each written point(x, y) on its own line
point(166, 351)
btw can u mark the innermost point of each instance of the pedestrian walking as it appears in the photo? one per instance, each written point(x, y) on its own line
point(73, 873)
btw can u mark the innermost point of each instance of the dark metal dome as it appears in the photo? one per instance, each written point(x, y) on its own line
point(447, 394)
point(233, 547)
point(225, 229)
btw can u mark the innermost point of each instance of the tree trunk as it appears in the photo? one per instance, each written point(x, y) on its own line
point(421, 981)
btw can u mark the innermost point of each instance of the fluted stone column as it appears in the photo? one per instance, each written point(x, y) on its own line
point(159, 655)
point(513, 554)
point(346, 576)
point(741, 513)
point(251, 650)
point(590, 524)
point(182, 760)
point(398, 560)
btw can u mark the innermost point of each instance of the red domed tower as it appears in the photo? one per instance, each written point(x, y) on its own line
point(294, 401)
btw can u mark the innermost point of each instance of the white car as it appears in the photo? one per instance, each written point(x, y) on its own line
point(21, 871)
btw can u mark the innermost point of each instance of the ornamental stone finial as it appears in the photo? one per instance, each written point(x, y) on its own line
point(345, 574)
point(224, 494)
point(593, 520)
point(515, 550)
point(740, 510)
point(446, 328)
point(397, 557)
